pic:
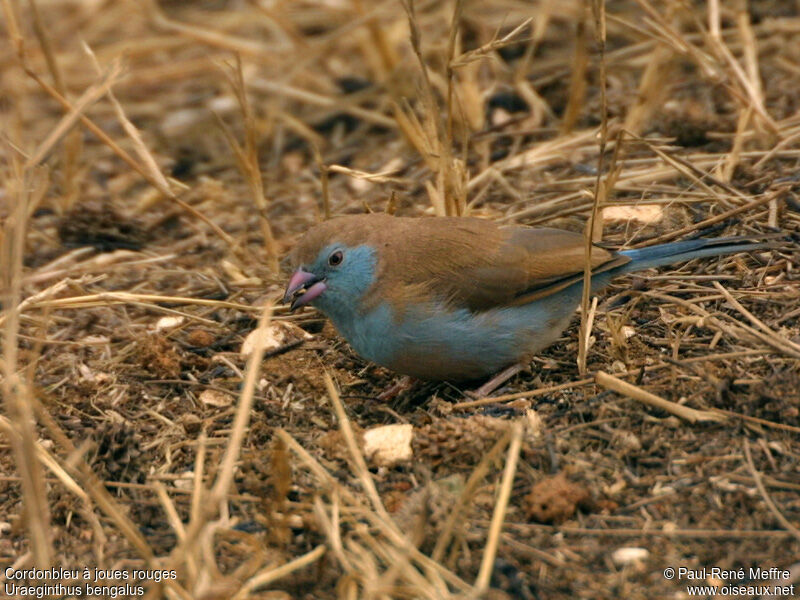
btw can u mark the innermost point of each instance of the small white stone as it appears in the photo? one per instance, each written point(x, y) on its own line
point(165, 323)
point(388, 445)
point(272, 336)
point(628, 555)
point(215, 398)
point(269, 338)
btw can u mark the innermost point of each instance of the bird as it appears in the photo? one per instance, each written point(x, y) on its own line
point(459, 298)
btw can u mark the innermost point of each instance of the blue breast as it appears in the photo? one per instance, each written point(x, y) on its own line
point(434, 341)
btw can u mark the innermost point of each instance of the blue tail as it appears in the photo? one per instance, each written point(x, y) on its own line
point(667, 254)
point(568, 290)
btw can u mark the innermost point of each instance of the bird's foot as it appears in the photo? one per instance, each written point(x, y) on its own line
point(498, 380)
point(403, 384)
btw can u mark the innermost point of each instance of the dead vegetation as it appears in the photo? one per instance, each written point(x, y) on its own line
point(158, 159)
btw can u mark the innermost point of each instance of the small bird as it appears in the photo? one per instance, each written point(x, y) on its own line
point(458, 298)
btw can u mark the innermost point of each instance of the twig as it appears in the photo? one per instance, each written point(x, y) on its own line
point(358, 458)
point(765, 495)
point(779, 339)
point(89, 97)
point(684, 412)
point(757, 420)
point(271, 574)
point(499, 514)
point(248, 161)
point(600, 189)
point(466, 494)
point(227, 464)
point(731, 534)
point(478, 53)
point(528, 394)
point(16, 392)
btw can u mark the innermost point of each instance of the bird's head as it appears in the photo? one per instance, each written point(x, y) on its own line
point(333, 270)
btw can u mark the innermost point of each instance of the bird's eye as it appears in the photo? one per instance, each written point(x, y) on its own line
point(336, 258)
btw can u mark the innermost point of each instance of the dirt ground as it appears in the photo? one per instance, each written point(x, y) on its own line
point(160, 159)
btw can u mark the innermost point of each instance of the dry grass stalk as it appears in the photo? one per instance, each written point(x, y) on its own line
point(89, 482)
point(324, 182)
point(16, 391)
point(271, 574)
point(577, 82)
point(498, 516)
point(757, 421)
point(733, 327)
point(75, 469)
point(452, 40)
point(432, 141)
point(653, 88)
point(254, 50)
point(537, 156)
point(751, 84)
point(695, 173)
point(195, 550)
point(757, 477)
point(44, 300)
point(247, 159)
point(470, 404)
point(601, 190)
point(143, 152)
point(684, 412)
point(73, 142)
point(483, 51)
point(129, 160)
point(467, 493)
point(89, 97)
point(222, 485)
point(382, 49)
point(778, 340)
point(383, 177)
point(358, 458)
point(150, 172)
point(699, 533)
point(391, 544)
point(316, 99)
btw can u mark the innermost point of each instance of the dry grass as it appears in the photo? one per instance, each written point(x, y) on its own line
point(154, 174)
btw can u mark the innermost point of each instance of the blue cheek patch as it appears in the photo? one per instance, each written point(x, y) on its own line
point(346, 283)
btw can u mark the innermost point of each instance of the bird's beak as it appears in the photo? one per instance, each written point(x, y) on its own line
point(303, 287)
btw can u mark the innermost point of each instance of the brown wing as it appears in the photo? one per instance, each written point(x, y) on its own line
point(531, 264)
point(479, 265)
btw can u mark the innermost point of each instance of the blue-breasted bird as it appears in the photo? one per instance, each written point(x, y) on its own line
point(457, 298)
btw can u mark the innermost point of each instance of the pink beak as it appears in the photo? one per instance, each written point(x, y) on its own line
point(303, 287)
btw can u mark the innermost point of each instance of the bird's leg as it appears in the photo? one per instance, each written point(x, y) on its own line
point(405, 383)
point(498, 380)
